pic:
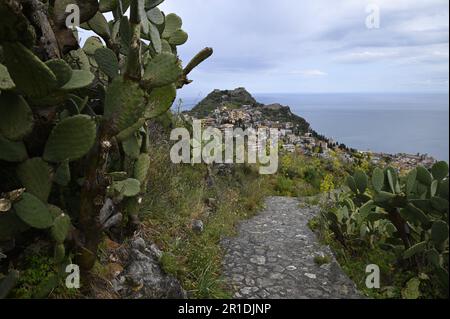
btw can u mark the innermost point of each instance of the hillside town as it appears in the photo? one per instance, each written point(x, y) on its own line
point(293, 137)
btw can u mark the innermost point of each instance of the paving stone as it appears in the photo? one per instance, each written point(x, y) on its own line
point(273, 257)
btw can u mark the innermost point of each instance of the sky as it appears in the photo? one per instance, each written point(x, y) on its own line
point(316, 46)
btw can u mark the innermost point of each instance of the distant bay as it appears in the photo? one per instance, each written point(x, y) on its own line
point(390, 123)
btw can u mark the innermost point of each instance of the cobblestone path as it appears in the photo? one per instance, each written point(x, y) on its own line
point(273, 257)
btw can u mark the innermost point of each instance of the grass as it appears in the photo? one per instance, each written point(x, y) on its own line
point(177, 195)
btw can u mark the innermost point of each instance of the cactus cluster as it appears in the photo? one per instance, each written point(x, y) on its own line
point(73, 121)
point(408, 214)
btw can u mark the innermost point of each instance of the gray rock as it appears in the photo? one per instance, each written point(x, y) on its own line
point(143, 277)
point(197, 226)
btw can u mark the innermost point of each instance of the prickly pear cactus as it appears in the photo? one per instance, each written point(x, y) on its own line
point(73, 118)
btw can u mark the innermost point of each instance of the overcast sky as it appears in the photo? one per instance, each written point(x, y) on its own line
point(297, 46)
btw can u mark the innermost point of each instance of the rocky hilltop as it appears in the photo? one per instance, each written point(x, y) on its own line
point(241, 98)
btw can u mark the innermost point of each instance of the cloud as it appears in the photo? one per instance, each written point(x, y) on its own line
point(310, 73)
point(259, 46)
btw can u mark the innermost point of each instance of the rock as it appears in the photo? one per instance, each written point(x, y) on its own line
point(259, 260)
point(197, 226)
point(310, 276)
point(143, 278)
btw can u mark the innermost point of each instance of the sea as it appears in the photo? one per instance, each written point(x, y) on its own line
point(378, 122)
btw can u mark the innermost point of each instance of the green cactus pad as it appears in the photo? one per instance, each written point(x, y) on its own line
point(444, 188)
point(361, 181)
point(108, 5)
point(125, 34)
point(71, 139)
point(440, 170)
point(414, 250)
point(141, 168)
point(129, 131)
point(439, 232)
point(416, 215)
point(124, 103)
point(80, 79)
point(155, 16)
point(33, 212)
point(99, 25)
point(350, 182)
point(16, 118)
point(150, 4)
point(424, 176)
point(6, 83)
point(166, 47)
point(36, 176)
point(155, 38)
point(60, 228)
point(179, 37)
point(59, 253)
point(162, 70)
point(107, 62)
point(392, 179)
point(12, 151)
point(14, 26)
point(78, 60)
point(160, 100)
point(145, 24)
point(173, 23)
point(128, 188)
point(378, 179)
point(132, 146)
point(411, 181)
point(91, 45)
point(61, 69)
point(62, 175)
point(31, 75)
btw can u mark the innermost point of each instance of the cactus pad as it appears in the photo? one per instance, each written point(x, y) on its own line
point(6, 83)
point(12, 151)
point(141, 168)
point(61, 69)
point(31, 75)
point(80, 79)
point(33, 212)
point(440, 170)
point(160, 100)
point(35, 176)
point(378, 179)
point(78, 60)
point(71, 139)
point(16, 118)
point(179, 37)
point(107, 62)
point(62, 175)
point(173, 23)
point(162, 70)
point(155, 38)
point(424, 176)
point(155, 16)
point(99, 25)
point(150, 4)
point(128, 188)
point(132, 146)
point(60, 228)
point(91, 45)
point(439, 232)
point(124, 103)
